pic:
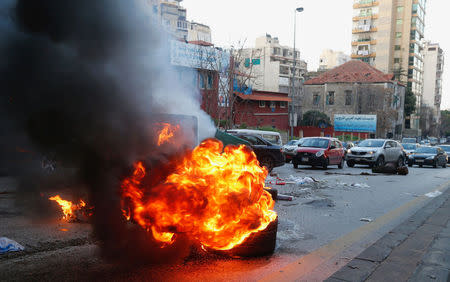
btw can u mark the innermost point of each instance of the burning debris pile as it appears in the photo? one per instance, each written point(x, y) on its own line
point(73, 212)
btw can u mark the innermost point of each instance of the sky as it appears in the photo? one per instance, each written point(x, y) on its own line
point(324, 24)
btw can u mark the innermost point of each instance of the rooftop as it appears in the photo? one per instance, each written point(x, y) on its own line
point(354, 71)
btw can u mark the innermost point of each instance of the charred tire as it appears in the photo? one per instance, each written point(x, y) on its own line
point(341, 164)
point(267, 162)
point(350, 163)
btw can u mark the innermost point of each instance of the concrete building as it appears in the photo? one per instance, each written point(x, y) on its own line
point(432, 90)
point(330, 59)
point(388, 35)
point(173, 17)
point(357, 88)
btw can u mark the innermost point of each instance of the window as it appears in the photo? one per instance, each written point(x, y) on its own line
point(247, 62)
point(272, 104)
point(397, 47)
point(400, 9)
point(348, 97)
point(398, 34)
point(210, 81)
point(371, 101)
point(396, 60)
point(330, 98)
point(399, 21)
point(283, 104)
point(316, 99)
point(262, 104)
point(201, 81)
point(256, 62)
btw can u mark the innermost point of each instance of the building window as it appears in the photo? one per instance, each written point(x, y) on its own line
point(396, 60)
point(399, 21)
point(256, 62)
point(398, 47)
point(316, 99)
point(262, 104)
point(398, 34)
point(283, 104)
point(272, 104)
point(400, 9)
point(210, 81)
point(247, 62)
point(348, 97)
point(201, 81)
point(330, 98)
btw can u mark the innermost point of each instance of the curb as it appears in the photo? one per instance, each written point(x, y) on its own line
point(363, 265)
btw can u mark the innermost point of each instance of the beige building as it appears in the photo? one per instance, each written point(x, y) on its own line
point(330, 59)
point(388, 35)
point(432, 90)
point(199, 32)
point(356, 88)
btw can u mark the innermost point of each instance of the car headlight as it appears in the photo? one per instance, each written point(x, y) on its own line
point(371, 152)
point(349, 151)
point(319, 154)
point(430, 158)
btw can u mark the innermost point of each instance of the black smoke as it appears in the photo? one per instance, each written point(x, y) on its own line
point(79, 82)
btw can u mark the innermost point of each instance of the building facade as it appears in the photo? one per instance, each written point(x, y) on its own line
point(330, 59)
point(388, 35)
point(357, 88)
point(432, 90)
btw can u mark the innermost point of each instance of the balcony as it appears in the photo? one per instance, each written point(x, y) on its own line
point(364, 54)
point(362, 29)
point(364, 42)
point(365, 17)
point(365, 3)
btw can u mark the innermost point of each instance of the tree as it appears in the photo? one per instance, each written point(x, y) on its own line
point(410, 102)
point(315, 118)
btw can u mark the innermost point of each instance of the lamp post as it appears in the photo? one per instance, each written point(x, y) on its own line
point(291, 108)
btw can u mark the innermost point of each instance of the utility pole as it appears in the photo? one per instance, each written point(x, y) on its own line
point(291, 108)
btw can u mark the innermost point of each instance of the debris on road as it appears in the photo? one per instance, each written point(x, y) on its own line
point(433, 194)
point(8, 245)
point(282, 197)
point(321, 203)
point(391, 169)
point(365, 219)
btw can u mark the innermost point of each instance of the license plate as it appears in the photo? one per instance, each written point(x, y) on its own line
point(305, 159)
point(357, 159)
point(419, 161)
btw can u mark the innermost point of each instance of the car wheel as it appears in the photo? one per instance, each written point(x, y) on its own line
point(380, 161)
point(267, 162)
point(350, 163)
point(295, 164)
point(435, 164)
point(341, 164)
point(410, 164)
point(420, 165)
point(325, 163)
point(444, 165)
point(400, 162)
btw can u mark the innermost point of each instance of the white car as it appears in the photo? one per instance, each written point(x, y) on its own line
point(376, 152)
point(290, 149)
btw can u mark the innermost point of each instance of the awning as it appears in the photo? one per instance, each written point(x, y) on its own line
point(256, 97)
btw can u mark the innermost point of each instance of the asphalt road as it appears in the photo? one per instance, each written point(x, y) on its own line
point(318, 232)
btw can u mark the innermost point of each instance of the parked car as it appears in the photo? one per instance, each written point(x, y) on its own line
point(376, 152)
point(432, 156)
point(409, 140)
point(268, 154)
point(409, 148)
point(271, 136)
point(446, 148)
point(319, 151)
point(290, 149)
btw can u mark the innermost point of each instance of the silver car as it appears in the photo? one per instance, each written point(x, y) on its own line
point(290, 149)
point(376, 152)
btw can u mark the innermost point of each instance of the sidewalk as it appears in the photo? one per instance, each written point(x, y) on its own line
point(416, 250)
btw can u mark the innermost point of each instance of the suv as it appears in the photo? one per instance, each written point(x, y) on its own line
point(319, 151)
point(268, 154)
point(376, 152)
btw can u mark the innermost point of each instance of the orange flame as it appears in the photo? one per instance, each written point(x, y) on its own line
point(215, 198)
point(67, 207)
point(166, 133)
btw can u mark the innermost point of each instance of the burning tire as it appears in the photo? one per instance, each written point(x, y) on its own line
point(257, 244)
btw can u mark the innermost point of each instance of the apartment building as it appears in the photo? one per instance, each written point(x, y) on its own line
point(432, 90)
point(173, 17)
point(330, 59)
point(388, 34)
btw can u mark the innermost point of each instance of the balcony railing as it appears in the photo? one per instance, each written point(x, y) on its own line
point(358, 29)
point(364, 41)
point(365, 3)
point(363, 54)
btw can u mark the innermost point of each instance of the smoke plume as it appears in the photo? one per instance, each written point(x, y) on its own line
point(82, 81)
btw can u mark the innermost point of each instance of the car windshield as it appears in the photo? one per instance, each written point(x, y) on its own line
point(427, 150)
point(292, 142)
point(371, 143)
point(409, 146)
point(445, 148)
point(316, 143)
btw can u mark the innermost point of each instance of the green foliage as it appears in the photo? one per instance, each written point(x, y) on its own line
point(410, 102)
point(347, 137)
point(268, 128)
point(315, 118)
point(243, 126)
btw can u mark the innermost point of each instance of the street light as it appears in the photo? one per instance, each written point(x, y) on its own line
point(291, 108)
